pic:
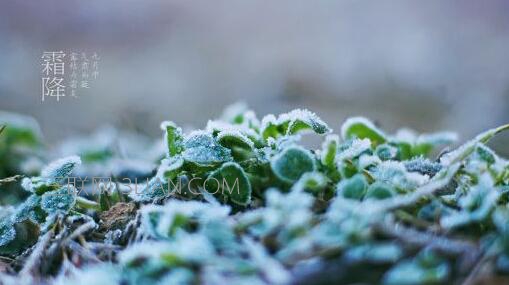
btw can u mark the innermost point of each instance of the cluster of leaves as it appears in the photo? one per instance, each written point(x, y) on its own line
point(366, 207)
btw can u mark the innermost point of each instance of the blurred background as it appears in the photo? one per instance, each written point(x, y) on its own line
point(428, 65)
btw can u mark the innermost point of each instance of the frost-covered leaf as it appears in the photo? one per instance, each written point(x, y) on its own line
point(231, 183)
point(173, 138)
point(485, 154)
point(60, 169)
point(476, 205)
point(7, 233)
point(380, 190)
point(423, 269)
point(353, 188)
point(39, 185)
point(16, 237)
point(303, 120)
point(164, 221)
point(329, 151)
point(203, 150)
point(240, 145)
point(291, 163)
point(292, 123)
point(269, 127)
point(313, 182)
point(30, 209)
point(61, 200)
point(156, 188)
point(353, 149)
point(386, 152)
point(395, 173)
point(382, 252)
point(423, 166)
point(362, 128)
point(170, 168)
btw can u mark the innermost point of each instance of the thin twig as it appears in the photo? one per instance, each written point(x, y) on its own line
point(81, 230)
point(410, 199)
point(429, 240)
point(36, 256)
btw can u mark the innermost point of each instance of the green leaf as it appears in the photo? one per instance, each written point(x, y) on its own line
point(353, 188)
point(14, 238)
point(303, 120)
point(313, 182)
point(294, 122)
point(39, 185)
point(59, 170)
point(231, 183)
point(485, 154)
point(290, 164)
point(269, 127)
point(329, 151)
point(174, 139)
point(380, 190)
point(170, 168)
point(61, 200)
point(362, 128)
point(202, 149)
point(240, 145)
point(7, 234)
point(386, 152)
point(30, 209)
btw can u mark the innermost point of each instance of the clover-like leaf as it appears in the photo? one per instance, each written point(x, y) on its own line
point(313, 182)
point(292, 162)
point(423, 166)
point(269, 127)
point(395, 173)
point(240, 145)
point(386, 152)
point(380, 190)
point(156, 188)
point(30, 209)
point(353, 149)
point(486, 154)
point(303, 120)
point(7, 235)
point(60, 169)
point(170, 168)
point(61, 200)
point(329, 151)
point(425, 268)
point(173, 138)
point(353, 188)
point(16, 237)
point(231, 183)
point(202, 149)
point(39, 185)
point(362, 128)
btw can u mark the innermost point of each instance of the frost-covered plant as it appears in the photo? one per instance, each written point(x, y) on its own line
point(242, 201)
